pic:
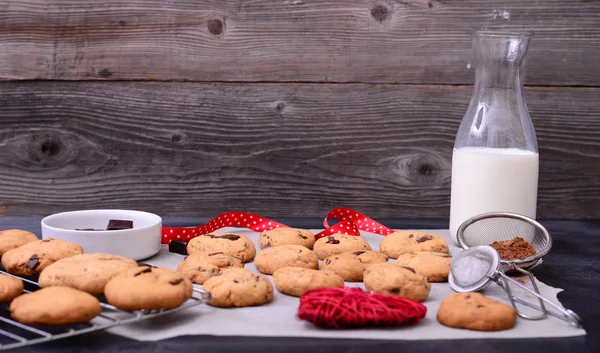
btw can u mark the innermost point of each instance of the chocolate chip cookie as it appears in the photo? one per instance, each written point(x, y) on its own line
point(231, 244)
point(55, 306)
point(30, 259)
point(13, 238)
point(286, 236)
point(238, 287)
point(296, 281)
point(391, 279)
point(351, 265)
point(10, 288)
point(339, 243)
point(433, 265)
point(398, 243)
point(86, 272)
point(148, 288)
point(474, 311)
point(199, 267)
point(270, 260)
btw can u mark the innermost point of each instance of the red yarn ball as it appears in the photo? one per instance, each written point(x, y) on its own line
point(346, 307)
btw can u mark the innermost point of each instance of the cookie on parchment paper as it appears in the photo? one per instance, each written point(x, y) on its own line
point(238, 287)
point(391, 279)
point(286, 236)
point(398, 243)
point(351, 265)
point(474, 311)
point(433, 265)
point(295, 281)
point(339, 243)
point(199, 267)
point(231, 244)
point(271, 259)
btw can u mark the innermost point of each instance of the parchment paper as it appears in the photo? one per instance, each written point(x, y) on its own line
point(278, 318)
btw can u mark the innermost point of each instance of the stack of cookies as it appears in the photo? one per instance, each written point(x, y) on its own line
point(72, 282)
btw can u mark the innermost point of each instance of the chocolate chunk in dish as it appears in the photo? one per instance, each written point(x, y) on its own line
point(119, 224)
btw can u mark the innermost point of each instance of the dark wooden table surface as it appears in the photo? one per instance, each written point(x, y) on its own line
point(573, 264)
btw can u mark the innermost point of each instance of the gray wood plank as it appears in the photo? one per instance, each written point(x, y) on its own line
point(414, 41)
point(281, 150)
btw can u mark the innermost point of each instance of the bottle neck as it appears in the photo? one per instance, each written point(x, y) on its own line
point(499, 75)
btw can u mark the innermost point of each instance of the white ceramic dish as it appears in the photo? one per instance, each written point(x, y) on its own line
point(137, 243)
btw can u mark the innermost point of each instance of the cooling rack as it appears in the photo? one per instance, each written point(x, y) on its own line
point(14, 334)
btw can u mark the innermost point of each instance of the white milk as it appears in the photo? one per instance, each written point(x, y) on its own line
point(492, 180)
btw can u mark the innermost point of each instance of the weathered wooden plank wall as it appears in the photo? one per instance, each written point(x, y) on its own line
point(293, 107)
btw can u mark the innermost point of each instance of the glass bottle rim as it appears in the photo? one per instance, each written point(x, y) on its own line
point(501, 33)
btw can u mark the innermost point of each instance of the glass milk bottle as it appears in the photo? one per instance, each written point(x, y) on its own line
point(495, 157)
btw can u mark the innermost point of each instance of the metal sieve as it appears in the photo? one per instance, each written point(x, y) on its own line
point(475, 268)
point(487, 228)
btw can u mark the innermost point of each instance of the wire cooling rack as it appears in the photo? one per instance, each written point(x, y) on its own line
point(14, 334)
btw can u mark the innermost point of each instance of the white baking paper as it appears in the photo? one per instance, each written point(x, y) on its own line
point(278, 318)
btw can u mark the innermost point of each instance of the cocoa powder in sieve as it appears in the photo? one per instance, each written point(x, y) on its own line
point(514, 249)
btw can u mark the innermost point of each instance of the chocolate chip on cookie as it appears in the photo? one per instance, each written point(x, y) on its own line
point(270, 260)
point(13, 238)
point(391, 279)
point(295, 281)
point(286, 236)
point(238, 287)
point(474, 311)
point(339, 243)
point(351, 265)
point(199, 267)
point(398, 243)
point(148, 288)
point(231, 244)
point(86, 272)
point(30, 259)
point(55, 306)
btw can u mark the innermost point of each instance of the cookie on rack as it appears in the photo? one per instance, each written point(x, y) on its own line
point(148, 288)
point(13, 238)
point(351, 265)
point(398, 243)
point(10, 288)
point(238, 287)
point(55, 306)
point(433, 265)
point(86, 272)
point(199, 267)
point(286, 236)
point(30, 259)
point(391, 279)
point(270, 260)
point(474, 311)
point(231, 244)
point(295, 281)
point(339, 243)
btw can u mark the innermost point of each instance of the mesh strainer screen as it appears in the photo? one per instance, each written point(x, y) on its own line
point(486, 230)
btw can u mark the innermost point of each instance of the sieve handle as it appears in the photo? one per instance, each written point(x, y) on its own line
point(568, 315)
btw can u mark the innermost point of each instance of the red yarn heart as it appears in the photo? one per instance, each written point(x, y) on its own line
point(347, 307)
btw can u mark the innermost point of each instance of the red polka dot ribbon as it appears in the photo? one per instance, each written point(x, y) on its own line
point(351, 223)
point(228, 219)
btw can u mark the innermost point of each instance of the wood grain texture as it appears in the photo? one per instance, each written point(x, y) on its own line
point(281, 150)
point(366, 41)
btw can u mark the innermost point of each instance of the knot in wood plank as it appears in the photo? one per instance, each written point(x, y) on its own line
point(215, 26)
point(380, 13)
